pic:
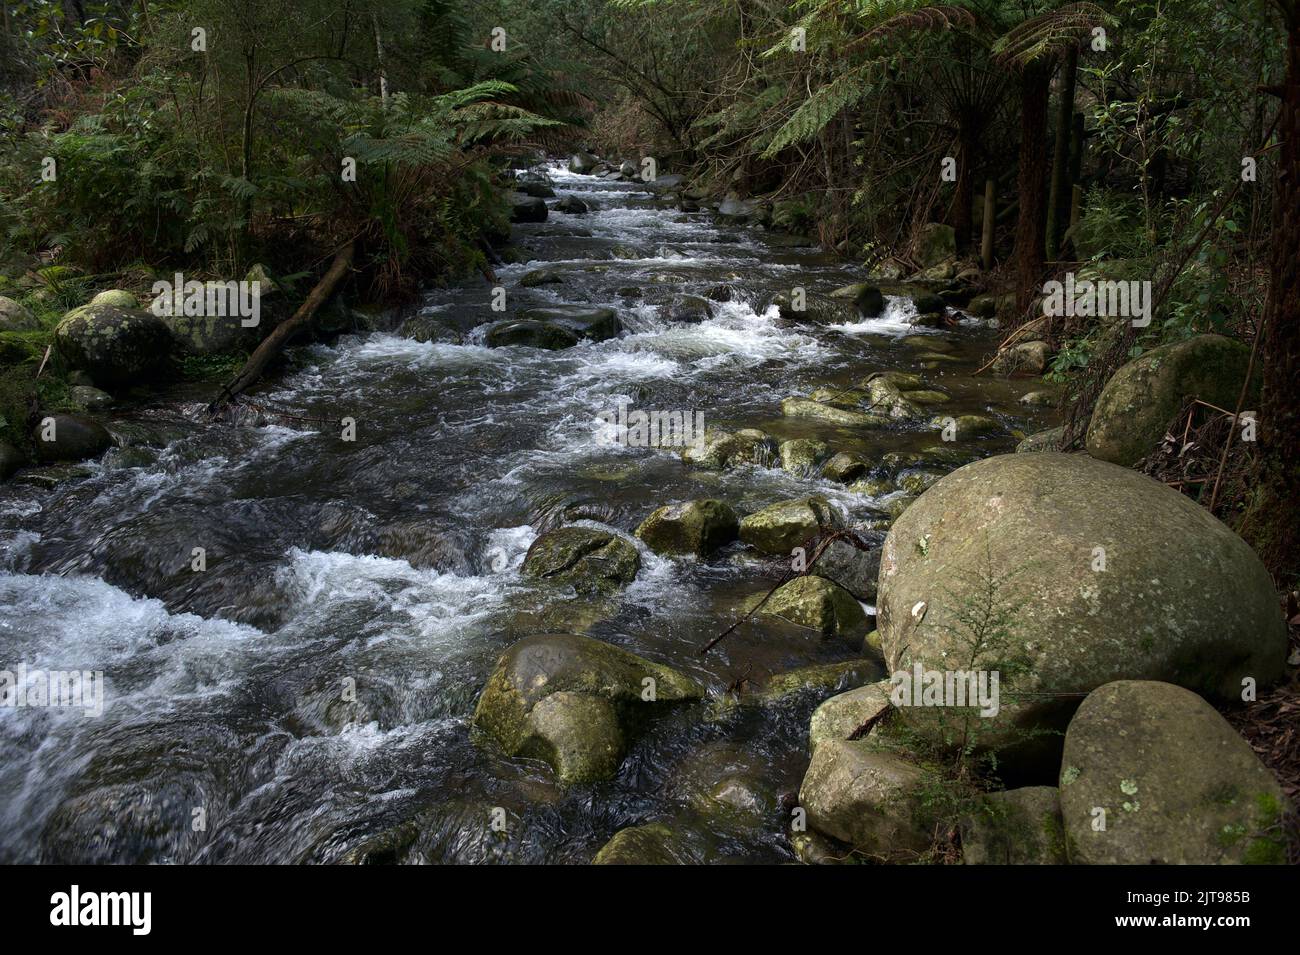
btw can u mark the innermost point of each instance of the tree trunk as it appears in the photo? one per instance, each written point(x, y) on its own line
point(274, 343)
point(1059, 199)
point(1270, 523)
point(986, 242)
point(962, 215)
point(1031, 225)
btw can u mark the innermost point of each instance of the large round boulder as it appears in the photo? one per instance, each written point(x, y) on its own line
point(1062, 573)
point(1140, 399)
point(574, 702)
point(1151, 774)
point(114, 346)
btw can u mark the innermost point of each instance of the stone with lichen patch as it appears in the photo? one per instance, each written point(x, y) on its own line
point(114, 346)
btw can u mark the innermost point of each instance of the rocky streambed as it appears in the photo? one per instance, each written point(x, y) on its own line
point(474, 632)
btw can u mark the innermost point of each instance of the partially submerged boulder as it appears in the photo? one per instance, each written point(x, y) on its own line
point(821, 606)
point(830, 414)
point(1029, 358)
point(1171, 782)
point(70, 437)
point(574, 702)
point(846, 715)
point(730, 449)
point(1142, 398)
point(802, 455)
point(590, 560)
point(527, 208)
point(1087, 573)
point(691, 527)
point(779, 528)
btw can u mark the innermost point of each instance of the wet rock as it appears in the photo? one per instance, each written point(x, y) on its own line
point(74, 438)
point(725, 779)
point(540, 277)
point(1016, 827)
point(572, 206)
point(819, 411)
point(431, 327)
point(115, 346)
point(820, 679)
point(1181, 598)
point(983, 306)
point(820, 605)
point(779, 528)
point(845, 467)
point(574, 702)
point(928, 303)
point(969, 426)
point(1049, 440)
point(1038, 399)
point(530, 334)
point(852, 567)
point(527, 208)
point(689, 308)
point(887, 397)
point(737, 209)
point(1141, 398)
point(932, 319)
point(669, 183)
point(846, 714)
point(586, 321)
point(935, 343)
point(536, 188)
point(927, 396)
point(692, 527)
point(868, 798)
point(590, 560)
point(655, 843)
point(1178, 785)
point(730, 449)
point(90, 398)
point(582, 163)
point(916, 482)
point(812, 848)
point(15, 317)
point(802, 455)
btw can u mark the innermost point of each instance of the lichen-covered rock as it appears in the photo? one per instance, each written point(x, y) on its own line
point(779, 528)
point(1173, 781)
point(1088, 573)
point(68, 437)
point(539, 277)
point(1016, 827)
point(1049, 440)
point(844, 714)
point(1141, 398)
point(14, 317)
point(115, 346)
point(691, 527)
point(887, 397)
point(730, 449)
point(590, 560)
point(116, 297)
point(90, 398)
point(574, 702)
point(725, 779)
point(868, 797)
point(1029, 358)
point(802, 455)
point(820, 605)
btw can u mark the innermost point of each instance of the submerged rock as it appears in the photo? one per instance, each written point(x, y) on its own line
point(582, 163)
point(1177, 784)
point(1142, 398)
point(654, 843)
point(586, 321)
point(588, 559)
point(530, 334)
point(572, 206)
point(1016, 827)
point(574, 702)
point(807, 408)
point(1089, 573)
point(692, 527)
point(820, 679)
point(725, 779)
point(850, 566)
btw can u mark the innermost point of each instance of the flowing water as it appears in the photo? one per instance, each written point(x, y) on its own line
point(392, 563)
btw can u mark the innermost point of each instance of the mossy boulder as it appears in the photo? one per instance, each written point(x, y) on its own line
point(870, 798)
point(819, 679)
point(968, 427)
point(14, 317)
point(90, 398)
point(1141, 399)
point(116, 347)
point(1016, 827)
point(843, 715)
point(655, 843)
point(1176, 783)
point(587, 322)
point(730, 449)
point(530, 334)
point(845, 467)
point(118, 298)
point(524, 208)
point(574, 702)
point(70, 437)
point(830, 414)
point(779, 528)
point(935, 243)
point(589, 560)
point(539, 277)
point(1088, 573)
point(1027, 358)
point(801, 456)
point(691, 527)
point(821, 606)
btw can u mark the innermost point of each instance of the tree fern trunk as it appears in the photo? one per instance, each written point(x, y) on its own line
point(1270, 521)
point(1031, 227)
point(1059, 200)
